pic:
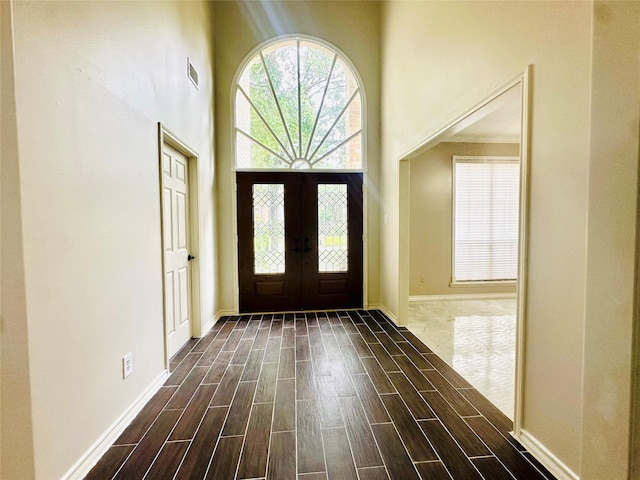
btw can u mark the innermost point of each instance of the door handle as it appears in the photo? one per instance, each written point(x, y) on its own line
point(190, 257)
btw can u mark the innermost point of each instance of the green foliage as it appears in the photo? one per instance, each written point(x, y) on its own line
point(299, 104)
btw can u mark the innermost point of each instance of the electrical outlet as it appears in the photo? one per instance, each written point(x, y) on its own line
point(127, 365)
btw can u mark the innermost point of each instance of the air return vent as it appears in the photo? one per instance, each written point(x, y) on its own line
point(192, 73)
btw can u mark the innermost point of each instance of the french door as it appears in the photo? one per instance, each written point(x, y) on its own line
point(299, 240)
point(176, 240)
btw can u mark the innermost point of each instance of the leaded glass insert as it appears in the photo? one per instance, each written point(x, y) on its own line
point(268, 228)
point(298, 106)
point(333, 247)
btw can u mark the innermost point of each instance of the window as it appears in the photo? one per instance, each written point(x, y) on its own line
point(485, 227)
point(333, 228)
point(298, 106)
point(268, 228)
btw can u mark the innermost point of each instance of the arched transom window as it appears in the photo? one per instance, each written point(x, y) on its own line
point(298, 106)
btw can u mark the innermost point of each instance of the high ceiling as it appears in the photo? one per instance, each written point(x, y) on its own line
point(500, 122)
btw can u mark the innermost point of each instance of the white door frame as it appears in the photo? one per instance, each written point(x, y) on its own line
point(165, 136)
point(469, 117)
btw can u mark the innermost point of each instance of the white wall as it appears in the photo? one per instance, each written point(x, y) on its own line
point(81, 268)
point(582, 207)
point(459, 52)
point(353, 27)
point(93, 79)
point(16, 426)
point(611, 238)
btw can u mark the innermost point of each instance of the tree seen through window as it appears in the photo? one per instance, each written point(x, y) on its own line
point(298, 106)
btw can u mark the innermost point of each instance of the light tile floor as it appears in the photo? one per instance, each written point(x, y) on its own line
point(477, 338)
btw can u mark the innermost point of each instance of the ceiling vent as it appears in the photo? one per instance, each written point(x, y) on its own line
point(192, 73)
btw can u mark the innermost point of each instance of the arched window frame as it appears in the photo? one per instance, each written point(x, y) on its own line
point(338, 55)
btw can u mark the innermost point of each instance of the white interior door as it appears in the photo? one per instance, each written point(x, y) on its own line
point(175, 223)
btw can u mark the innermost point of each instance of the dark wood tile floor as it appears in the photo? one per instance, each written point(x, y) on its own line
point(326, 395)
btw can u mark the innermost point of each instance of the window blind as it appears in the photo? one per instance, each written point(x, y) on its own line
point(486, 210)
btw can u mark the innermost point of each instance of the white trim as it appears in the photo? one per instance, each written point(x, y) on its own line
point(483, 283)
point(223, 313)
point(483, 139)
point(486, 158)
point(462, 296)
point(459, 123)
point(468, 117)
point(165, 136)
point(545, 456)
point(80, 469)
point(523, 251)
point(386, 311)
point(209, 325)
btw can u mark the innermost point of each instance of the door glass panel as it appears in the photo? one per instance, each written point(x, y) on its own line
point(333, 251)
point(268, 228)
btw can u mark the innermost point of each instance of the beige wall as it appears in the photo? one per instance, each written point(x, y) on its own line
point(611, 239)
point(430, 216)
point(81, 265)
point(353, 27)
point(92, 80)
point(16, 426)
point(460, 51)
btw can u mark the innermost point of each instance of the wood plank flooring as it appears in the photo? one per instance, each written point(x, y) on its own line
point(310, 396)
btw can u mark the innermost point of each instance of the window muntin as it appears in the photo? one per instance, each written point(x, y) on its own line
point(333, 228)
point(268, 228)
point(298, 105)
point(486, 217)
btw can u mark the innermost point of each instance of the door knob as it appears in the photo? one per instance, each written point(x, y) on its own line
point(190, 257)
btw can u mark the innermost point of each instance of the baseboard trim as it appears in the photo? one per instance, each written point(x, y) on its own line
point(384, 310)
point(461, 296)
point(82, 467)
point(223, 313)
point(209, 325)
point(545, 457)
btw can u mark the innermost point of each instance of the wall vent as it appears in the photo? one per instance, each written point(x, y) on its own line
point(192, 73)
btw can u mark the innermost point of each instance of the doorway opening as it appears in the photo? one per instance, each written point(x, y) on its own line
point(448, 280)
point(299, 162)
point(178, 174)
point(299, 241)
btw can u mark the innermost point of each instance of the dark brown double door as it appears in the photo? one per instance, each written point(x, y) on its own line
point(299, 241)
